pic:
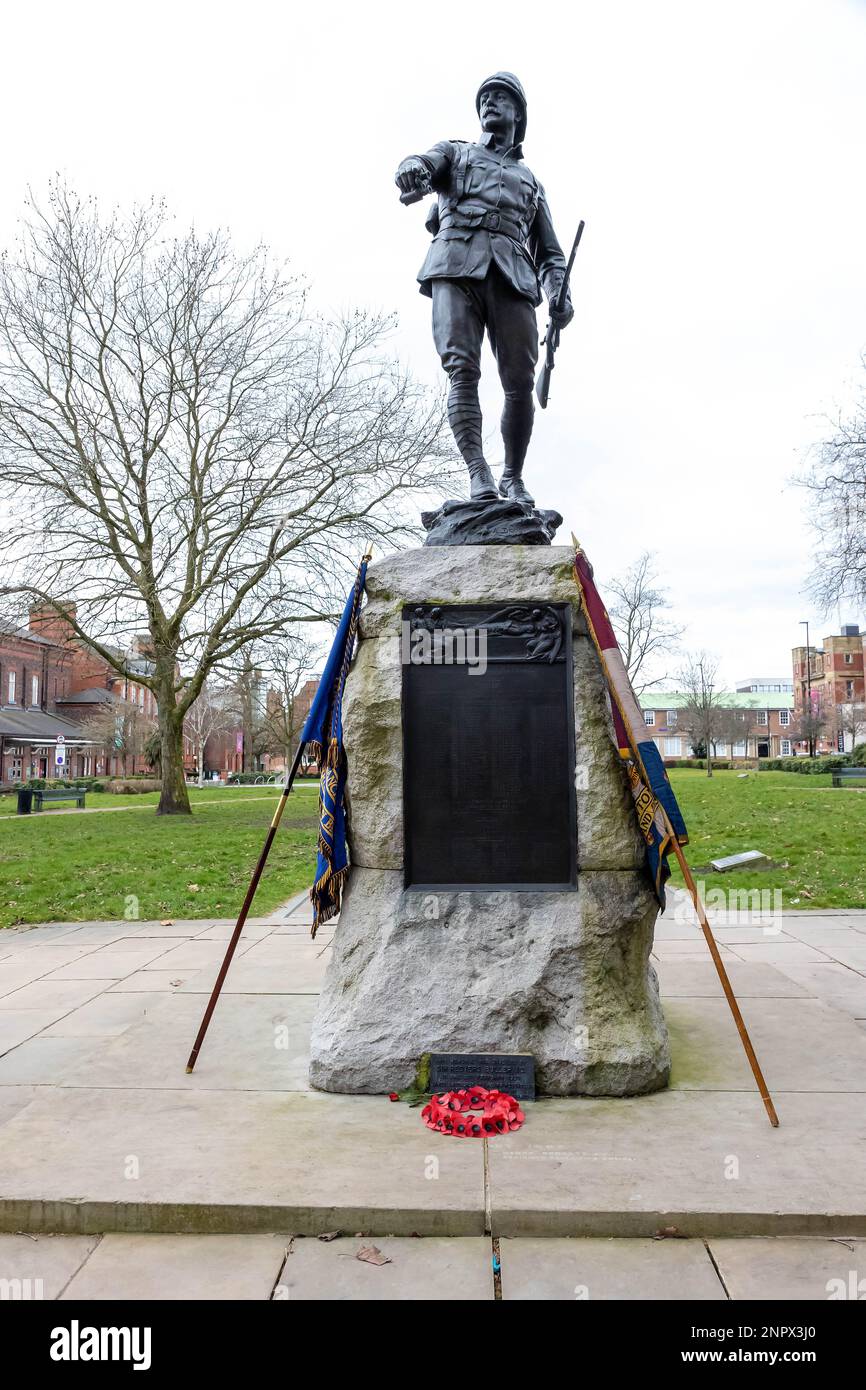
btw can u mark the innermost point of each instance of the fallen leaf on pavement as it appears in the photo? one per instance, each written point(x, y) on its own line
point(372, 1255)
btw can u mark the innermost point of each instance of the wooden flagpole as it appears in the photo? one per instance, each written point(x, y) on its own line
point(707, 931)
point(726, 984)
point(247, 903)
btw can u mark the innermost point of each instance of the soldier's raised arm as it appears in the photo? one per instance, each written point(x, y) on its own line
point(422, 173)
point(549, 258)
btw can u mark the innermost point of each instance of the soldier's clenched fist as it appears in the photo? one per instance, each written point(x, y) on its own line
point(412, 176)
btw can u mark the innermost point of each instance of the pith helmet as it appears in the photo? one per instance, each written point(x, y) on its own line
point(512, 84)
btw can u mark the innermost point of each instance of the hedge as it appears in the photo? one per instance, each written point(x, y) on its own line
point(809, 766)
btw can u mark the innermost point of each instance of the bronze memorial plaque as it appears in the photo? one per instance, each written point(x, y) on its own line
point(488, 746)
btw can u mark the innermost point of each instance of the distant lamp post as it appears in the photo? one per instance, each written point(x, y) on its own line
point(805, 624)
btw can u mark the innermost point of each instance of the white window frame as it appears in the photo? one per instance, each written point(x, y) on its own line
point(784, 717)
point(10, 687)
point(672, 719)
point(762, 719)
point(849, 658)
point(676, 751)
point(785, 748)
point(34, 690)
point(741, 749)
point(649, 718)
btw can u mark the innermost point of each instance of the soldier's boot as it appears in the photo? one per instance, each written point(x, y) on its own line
point(464, 417)
point(482, 484)
point(517, 420)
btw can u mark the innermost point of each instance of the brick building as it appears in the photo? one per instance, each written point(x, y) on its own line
point(56, 695)
point(758, 724)
point(832, 677)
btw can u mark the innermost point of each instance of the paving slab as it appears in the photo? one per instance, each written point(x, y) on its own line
point(802, 1045)
point(18, 1025)
point(43, 1061)
point(778, 952)
point(17, 973)
point(792, 1269)
point(255, 1042)
point(159, 981)
point(13, 1099)
point(30, 934)
point(105, 964)
point(837, 985)
point(706, 1163)
point(294, 965)
point(826, 936)
point(199, 955)
point(453, 1269)
point(697, 978)
point(683, 950)
point(591, 1269)
point(171, 1267)
point(86, 1160)
point(60, 995)
point(253, 931)
point(44, 1264)
point(106, 1016)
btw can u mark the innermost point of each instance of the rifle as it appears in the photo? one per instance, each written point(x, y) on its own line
point(551, 337)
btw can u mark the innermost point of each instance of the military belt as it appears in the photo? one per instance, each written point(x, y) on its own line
point(490, 220)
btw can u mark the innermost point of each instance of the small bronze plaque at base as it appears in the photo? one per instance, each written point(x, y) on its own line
point(512, 1072)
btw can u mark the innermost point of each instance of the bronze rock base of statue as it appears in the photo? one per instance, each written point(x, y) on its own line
point(490, 523)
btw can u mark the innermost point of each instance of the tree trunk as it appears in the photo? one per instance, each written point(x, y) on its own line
point(201, 762)
point(709, 759)
point(174, 798)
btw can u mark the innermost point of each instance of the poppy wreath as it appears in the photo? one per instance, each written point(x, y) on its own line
point(450, 1113)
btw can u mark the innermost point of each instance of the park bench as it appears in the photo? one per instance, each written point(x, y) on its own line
point(844, 776)
point(75, 794)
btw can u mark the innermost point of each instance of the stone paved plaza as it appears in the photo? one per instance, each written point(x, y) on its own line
point(121, 1175)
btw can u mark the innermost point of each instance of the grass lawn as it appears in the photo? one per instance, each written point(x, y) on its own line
point(79, 867)
point(56, 868)
point(95, 801)
point(815, 834)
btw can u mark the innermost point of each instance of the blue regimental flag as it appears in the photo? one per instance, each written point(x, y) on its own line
point(323, 734)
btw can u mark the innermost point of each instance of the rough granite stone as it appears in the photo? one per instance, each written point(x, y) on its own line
point(564, 975)
point(467, 574)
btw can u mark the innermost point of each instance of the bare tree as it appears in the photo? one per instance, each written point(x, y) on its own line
point(836, 481)
point(732, 726)
point(638, 615)
point(246, 699)
point(850, 724)
point(123, 729)
point(205, 457)
point(702, 715)
point(207, 715)
point(287, 662)
point(809, 722)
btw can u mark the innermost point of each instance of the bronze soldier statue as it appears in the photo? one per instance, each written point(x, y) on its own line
point(493, 250)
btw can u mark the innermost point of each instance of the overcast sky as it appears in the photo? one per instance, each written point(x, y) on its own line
point(715, 151)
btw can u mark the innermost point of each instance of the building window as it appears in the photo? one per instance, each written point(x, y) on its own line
point(34, 691)
point(784, 717)
point(740, 749)
point(649, 717)
point(761, 717)
point(11, 687)
point(785, 747)
point(849, 658)
point(672, 719)
point(673, 747)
